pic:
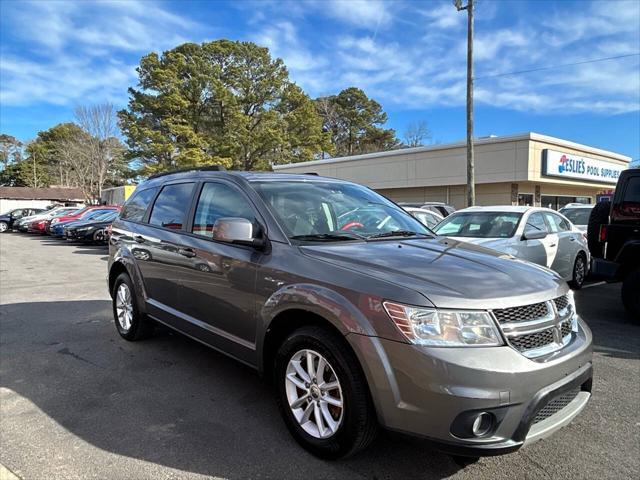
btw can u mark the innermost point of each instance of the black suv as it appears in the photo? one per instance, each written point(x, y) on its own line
point(359, 314)
point(617, 258)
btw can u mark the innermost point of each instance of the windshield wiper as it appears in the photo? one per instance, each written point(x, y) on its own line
point(329, 237)
point(395, 233)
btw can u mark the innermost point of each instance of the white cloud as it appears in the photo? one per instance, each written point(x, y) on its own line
point(369, 14)
point(71, 47)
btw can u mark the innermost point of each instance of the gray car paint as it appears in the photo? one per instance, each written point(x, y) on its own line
point(418, 390)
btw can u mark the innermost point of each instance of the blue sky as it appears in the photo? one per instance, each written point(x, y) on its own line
point(408, 55)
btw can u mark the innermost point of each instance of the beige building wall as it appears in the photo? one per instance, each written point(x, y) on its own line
point(438, 172)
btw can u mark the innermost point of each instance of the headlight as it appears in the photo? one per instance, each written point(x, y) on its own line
point(444, 328)
point(84, 229)
point(54, 221)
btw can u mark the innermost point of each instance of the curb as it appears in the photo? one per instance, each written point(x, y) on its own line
point(6, 474)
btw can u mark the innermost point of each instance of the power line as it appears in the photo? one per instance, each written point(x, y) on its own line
point(550, 67)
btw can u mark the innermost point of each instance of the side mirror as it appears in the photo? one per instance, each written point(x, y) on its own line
point(236, 230)
point(534, 235)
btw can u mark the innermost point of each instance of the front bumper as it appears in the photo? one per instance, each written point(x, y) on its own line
point(425, 391)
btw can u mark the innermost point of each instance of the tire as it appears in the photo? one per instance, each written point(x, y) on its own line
point(631, 294)
point(4, 227)
point(599, 215)
point(579, 272)
point(355, 424)
point(132, 325)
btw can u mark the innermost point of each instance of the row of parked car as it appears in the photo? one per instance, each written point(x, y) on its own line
point(89, 224)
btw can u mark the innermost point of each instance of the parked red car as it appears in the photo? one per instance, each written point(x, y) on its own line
point(78, 215)
point(39, 226)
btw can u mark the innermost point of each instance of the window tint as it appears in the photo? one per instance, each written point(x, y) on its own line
point(632, 191)
point(536, 223)
point(136, 206)
point(171, 206)
point(218, 200)
point(556, 223)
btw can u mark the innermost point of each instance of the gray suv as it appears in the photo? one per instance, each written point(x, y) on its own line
point(359, 314)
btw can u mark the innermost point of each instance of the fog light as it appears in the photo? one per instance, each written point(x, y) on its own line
point(482, 424)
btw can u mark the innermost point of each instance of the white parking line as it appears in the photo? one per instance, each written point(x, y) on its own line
point(593, 284)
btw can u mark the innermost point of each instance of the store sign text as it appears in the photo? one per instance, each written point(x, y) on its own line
point(560, 164)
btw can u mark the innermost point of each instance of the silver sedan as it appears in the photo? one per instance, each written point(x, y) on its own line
point(539, 235)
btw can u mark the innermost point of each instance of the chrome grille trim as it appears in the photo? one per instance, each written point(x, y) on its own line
point(539, 328)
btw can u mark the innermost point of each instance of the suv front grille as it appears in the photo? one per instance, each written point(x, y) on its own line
point(555, 405)
point(524, 325)
point(561, 302)
point(533, 340)
point(522, 314)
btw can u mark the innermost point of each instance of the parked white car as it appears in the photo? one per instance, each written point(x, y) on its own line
point(539, 235)
point(578, 214)
point(425, 217)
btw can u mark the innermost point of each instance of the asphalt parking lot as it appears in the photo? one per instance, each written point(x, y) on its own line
point(77, 402)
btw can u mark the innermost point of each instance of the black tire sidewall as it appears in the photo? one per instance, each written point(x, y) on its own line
point(342, 442)
point(136, 322)
point(574, 284)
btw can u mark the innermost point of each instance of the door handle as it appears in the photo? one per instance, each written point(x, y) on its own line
point(139, 238)
point(553, 245)
point(187, 252)
point(572, 239)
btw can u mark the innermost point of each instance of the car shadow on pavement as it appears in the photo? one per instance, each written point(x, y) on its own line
point(615, 333)
point(170, 400)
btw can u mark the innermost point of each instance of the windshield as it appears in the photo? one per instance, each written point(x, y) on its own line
point(329, 211)
point(577, 216)
point(479, 225)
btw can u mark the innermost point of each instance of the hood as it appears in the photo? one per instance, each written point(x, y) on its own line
point(499, 244)
point(449, 273)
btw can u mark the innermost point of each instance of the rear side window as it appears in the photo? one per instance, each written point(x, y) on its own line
point(556, 223)
point(218, 200)
point(136, 207)
point(171, 206)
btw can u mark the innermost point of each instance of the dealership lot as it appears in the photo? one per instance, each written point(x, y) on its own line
point(76, 401)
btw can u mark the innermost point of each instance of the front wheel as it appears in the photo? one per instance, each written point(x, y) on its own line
point(631, 294)
point(131, 324)
point(579, 272)
point(322, 394)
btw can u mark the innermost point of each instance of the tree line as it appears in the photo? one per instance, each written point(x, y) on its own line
point(222, 102)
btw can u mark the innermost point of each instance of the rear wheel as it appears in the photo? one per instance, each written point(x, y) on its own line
point(599, 215)
point(322, 394)
point(131, 324)
point(579, 272)
point(631, 294)
point(4, 226)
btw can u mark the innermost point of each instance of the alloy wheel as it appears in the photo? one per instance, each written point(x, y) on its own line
point(124, 306)
point(3, 227)
point(314, 394)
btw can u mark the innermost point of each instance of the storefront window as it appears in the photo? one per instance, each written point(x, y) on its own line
point(556, 202)
point(525, 199)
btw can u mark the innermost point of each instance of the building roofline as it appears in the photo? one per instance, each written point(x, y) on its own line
point(479, 141)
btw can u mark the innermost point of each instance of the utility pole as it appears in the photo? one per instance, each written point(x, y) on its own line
point(471, 180)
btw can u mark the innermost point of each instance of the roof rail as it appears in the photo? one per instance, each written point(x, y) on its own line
point(208, 168)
